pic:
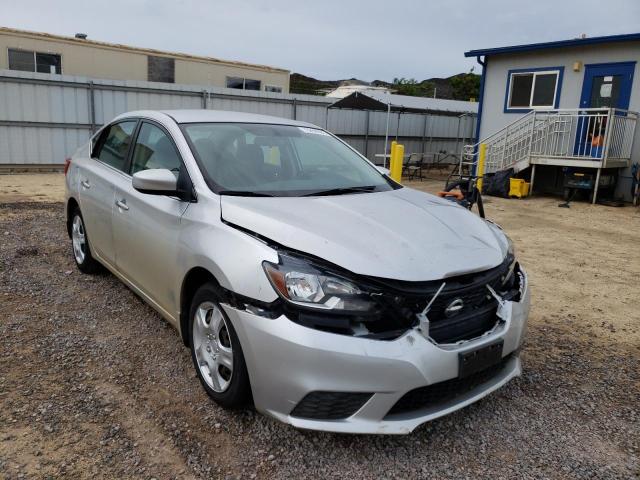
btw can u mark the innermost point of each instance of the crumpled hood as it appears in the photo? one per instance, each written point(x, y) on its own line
point(402, 234)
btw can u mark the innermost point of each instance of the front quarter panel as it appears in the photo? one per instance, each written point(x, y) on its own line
point(232, 256)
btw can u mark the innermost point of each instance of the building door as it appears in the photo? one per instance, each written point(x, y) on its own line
point(605, 85)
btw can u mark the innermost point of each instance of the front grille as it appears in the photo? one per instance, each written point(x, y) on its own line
point(330, 405)
point(476, 317)
point(464, 326)
point(398, 304)
point(441, 392)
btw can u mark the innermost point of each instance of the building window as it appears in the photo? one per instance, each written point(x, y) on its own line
point(272, 88)
point(161, 69)
point(539, 88)
point(251, 84)
point(243, 83)
point(235, 82)
point(30, 61)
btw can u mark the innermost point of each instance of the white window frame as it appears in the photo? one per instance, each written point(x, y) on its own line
point(533, 87)
point(35, 62)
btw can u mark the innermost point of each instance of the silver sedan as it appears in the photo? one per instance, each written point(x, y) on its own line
point(299, 275)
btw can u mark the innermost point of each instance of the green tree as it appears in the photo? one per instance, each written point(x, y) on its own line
point(466, 86)
point(411, 87)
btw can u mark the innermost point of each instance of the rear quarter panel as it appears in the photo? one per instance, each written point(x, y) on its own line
point(72, 178)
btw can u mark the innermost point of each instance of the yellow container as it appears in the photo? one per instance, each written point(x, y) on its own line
point(518, 188)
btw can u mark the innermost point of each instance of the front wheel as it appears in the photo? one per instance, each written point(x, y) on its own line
point(216, 352)
point(80, 243)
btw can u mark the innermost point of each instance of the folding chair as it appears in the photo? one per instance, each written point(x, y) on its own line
point(413, 166)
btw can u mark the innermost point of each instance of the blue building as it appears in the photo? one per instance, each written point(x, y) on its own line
point(556, 107)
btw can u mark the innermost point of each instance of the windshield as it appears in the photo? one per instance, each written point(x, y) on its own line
point(279, 160)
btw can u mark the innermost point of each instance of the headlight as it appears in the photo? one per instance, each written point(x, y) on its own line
point(302, 283)
point(502, 238)
point(511, 251)
point(511, 258)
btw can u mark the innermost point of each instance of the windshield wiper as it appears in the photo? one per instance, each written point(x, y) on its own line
point(243, 193)
point(342, 191)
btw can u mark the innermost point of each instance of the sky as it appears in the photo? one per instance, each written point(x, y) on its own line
point(329, 39)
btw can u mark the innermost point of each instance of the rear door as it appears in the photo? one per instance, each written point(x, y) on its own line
point(97, 185)
point(146, 227)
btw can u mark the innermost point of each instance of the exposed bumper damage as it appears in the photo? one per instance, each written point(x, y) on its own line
point(354, 383)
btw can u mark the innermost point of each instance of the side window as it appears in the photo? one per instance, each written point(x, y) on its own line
point(113, 145)
point(154, 149)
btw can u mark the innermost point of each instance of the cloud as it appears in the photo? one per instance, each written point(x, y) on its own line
point(330, 39)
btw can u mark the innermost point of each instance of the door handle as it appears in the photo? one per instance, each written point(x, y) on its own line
point(85, 184)
point(122, 204)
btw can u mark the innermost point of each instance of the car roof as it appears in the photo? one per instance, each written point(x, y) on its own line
point(215, 116)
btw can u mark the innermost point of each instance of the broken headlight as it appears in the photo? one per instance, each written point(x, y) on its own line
point(502, 237)
point(511, 251)
point(300, 282)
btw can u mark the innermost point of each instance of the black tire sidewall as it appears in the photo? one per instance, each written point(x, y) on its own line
point(238, 392)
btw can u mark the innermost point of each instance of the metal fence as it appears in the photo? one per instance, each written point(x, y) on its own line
point(44, 120)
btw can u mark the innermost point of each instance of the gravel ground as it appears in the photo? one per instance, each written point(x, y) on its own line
point(94, 384)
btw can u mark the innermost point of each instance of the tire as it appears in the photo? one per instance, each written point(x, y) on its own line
point(80, 246)
point(214, 348)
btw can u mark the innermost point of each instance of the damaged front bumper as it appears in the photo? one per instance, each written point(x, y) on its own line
point(294, 369)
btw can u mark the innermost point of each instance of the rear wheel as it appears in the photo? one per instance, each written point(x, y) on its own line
point(80, 243)
point(215, 350)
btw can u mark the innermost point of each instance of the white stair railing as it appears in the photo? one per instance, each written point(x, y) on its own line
point(572, 134)
point(505, 147)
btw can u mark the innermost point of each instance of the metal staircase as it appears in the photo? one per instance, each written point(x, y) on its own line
point(506, 148)
point(592, 138)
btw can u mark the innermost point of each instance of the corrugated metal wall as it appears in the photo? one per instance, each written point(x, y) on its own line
point(43, 121)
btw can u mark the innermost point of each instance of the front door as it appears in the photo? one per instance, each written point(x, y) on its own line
point(146, 228)
point(605, 85)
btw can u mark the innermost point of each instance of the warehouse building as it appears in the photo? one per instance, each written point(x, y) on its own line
point(56, 55)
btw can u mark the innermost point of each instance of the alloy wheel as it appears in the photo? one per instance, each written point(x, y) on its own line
point(212, 346)
point(78, 239)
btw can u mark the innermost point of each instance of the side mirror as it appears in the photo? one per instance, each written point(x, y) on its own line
point(384, 171)
point(156, 181)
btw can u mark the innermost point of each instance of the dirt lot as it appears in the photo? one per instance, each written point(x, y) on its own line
point(94, 384)
point(45, 187)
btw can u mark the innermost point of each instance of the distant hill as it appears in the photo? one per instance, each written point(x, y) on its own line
point(463, 86)
point(299, 83)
